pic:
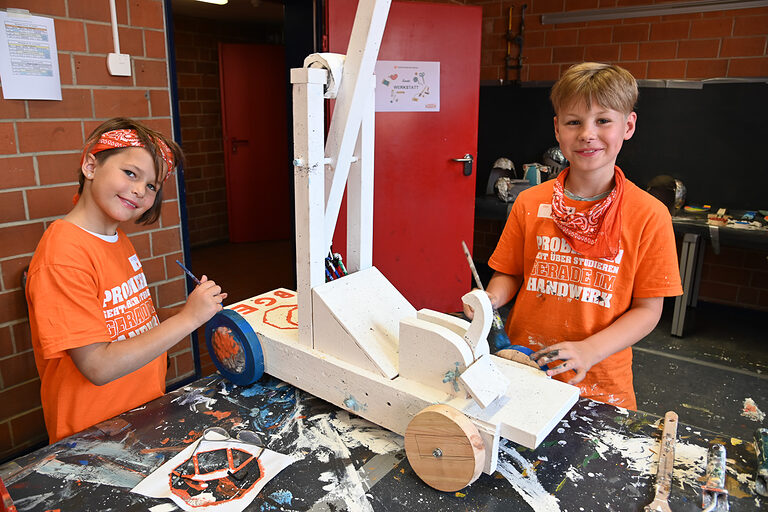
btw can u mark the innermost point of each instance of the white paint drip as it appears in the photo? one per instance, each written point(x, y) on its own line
point(324, 435)
point(163, 507)
point(344, 486)
point(573, 474)
point(529, 487)
point(194, 399)
point(111, 475)
point(107, 471)
point(355, 431)
point(202, 499)
point(35, 501)
point(642, 455)
point(750, 411)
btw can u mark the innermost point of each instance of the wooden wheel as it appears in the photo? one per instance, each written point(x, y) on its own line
point(444, 448)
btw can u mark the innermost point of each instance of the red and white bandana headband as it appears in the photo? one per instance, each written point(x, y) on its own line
point(126, 138)
point(595, 232)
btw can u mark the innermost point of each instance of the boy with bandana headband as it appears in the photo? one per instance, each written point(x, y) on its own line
point(99, 347)
point(589, 255)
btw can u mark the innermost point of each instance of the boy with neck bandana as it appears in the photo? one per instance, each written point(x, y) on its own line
point(589, 255)
point(99, 347)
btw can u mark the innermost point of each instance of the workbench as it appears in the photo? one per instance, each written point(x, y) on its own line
point(598, 457)
point(696, 232)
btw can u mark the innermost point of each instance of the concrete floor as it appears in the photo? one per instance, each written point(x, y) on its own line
point(705, 376)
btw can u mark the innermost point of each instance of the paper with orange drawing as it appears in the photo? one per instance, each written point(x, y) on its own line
point(216, 474)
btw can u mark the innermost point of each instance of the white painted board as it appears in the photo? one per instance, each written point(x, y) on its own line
point(369, 308)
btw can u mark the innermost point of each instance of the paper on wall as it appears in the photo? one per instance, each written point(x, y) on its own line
point(29, 62)
point(407, 86)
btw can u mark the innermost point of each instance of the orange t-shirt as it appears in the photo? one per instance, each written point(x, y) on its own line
point(565, 296)
point(82, 290)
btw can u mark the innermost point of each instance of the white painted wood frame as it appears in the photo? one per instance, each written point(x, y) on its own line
point(360, 191)
point(309, 183)
point(354, 96)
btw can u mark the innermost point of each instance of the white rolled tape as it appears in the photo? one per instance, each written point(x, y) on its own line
point(334, 63)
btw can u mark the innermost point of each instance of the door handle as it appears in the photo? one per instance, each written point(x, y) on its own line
point(236, 141)
point(467, 161)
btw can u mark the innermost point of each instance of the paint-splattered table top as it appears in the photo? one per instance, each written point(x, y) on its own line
point(598, 458)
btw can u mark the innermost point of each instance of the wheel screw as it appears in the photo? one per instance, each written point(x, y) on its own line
point(437, 453)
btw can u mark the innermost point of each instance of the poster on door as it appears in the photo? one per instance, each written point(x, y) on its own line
point(407, 86)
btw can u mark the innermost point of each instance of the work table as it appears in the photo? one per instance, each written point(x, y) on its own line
point(599, 457)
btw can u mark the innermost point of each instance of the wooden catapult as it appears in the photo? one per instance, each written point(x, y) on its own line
point(356, 342)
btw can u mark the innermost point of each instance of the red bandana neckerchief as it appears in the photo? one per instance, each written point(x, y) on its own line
point(597, 231)
point(129, 139)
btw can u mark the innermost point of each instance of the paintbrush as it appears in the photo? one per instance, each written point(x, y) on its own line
point(188, 272)
point(497, 337)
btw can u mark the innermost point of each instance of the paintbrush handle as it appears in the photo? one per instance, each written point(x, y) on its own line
point(188, 272)
point(472, 266)
point(498, 323)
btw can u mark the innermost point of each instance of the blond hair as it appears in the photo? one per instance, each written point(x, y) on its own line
point(607, 85)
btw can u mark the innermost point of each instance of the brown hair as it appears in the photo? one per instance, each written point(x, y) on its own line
point(607, 85)
point(151, 140)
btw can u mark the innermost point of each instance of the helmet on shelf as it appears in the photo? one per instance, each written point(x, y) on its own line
point(555, 160)
point(668, 190)
point(501, 167)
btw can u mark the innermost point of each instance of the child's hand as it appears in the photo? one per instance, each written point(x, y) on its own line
point(576, 356)
point(470, 313)
point(204, 301)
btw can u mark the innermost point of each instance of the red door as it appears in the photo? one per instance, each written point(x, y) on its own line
point(254, 113)
point(423, 203)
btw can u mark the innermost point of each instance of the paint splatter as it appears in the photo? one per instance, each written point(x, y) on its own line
point(351, 403)
point(219, 415)
point(642, 455)
point(163, 507)
point(452, 376)
point(332, 436)
point(34, 501)
point(573, 475)
point(195, 398)
point(354, 432)
point(751, 411)
point(695, 408)
point(283, 497)
point(525, 483)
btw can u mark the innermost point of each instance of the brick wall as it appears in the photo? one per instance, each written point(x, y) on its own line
point(197, 70)
point(685, 46)
point(737, 277)
point(39, 154)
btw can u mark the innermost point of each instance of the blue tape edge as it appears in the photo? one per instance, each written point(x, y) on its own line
point(248, 340)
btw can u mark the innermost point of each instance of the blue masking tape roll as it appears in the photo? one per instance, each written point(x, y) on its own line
point(234, 348)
